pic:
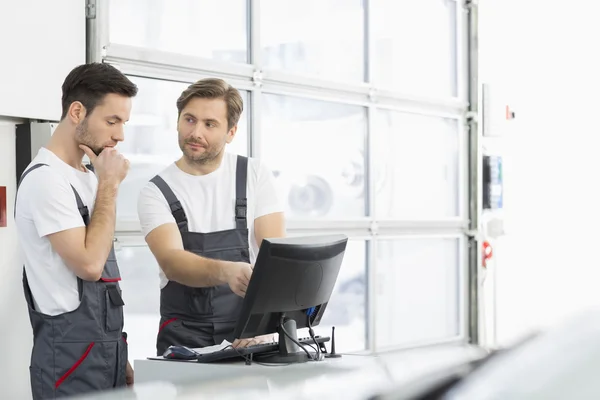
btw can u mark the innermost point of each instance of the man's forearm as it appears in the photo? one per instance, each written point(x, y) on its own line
point(100, 231)
point(193, 270)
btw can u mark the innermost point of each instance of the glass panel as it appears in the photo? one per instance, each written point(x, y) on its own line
point(202, 28)
point(316, 151)
point(347, 308)
point(414, 46)
point(151, 138)
point(141, 293)
point(417, 166)
point(417, 297)
point(323, 38)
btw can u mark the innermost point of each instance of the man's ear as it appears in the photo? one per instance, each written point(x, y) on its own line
point(76, 112)
point(231, 134)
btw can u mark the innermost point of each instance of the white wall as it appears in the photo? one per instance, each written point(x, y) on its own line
point(546, 56)
point(38, 62)
point(32, 69)
point(16, 335)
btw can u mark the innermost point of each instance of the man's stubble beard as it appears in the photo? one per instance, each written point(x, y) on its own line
point(209, 156)
point(83, 136)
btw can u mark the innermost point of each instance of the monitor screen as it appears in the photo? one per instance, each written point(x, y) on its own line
point(292, 278)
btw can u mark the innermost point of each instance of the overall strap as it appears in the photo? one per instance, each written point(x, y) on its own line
point(85, 214)
point(83, 210)
point(241, 202)
point(36, 166)
point(174, 203)
point(28, 295)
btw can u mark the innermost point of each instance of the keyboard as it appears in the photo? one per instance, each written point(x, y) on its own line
point(231, 354)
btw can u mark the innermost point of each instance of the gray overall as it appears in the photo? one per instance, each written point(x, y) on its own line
point(84, 350)
point(199, 317)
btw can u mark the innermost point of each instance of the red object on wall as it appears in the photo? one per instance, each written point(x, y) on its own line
point(2, 206)
point(487, 253)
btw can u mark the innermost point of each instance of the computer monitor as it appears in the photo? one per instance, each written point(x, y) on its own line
point(292, 281)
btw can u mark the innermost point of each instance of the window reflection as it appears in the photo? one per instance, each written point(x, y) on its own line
point(316, 150)
point(414, 46)
point(202, 28)
point(323, 38)
point(347, 308)
point(417, 290)
point(417, 166)
point(141, 294)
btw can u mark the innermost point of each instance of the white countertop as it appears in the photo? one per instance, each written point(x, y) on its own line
point(348, 377)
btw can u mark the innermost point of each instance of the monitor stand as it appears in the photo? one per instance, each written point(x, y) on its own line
point(289, 352)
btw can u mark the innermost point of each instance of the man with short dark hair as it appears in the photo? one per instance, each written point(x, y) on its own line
point(204, 218)
point(65, 218)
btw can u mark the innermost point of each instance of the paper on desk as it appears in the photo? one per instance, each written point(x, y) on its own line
point(212, 349)
point(201, 350)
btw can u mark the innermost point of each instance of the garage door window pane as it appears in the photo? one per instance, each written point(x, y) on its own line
point(417, 297)
point(316, 150)
point(415, 46)
point(201, 28)
point(320, 38)
point(347, 308)
point(417, 166)
point(141, 293)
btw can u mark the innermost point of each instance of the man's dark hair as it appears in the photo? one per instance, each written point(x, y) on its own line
point(214, 88)
point(89, 83)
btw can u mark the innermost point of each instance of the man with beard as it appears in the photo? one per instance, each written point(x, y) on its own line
point(204, 218)
point(65, 218)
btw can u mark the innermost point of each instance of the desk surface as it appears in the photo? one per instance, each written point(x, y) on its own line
point(348, 377)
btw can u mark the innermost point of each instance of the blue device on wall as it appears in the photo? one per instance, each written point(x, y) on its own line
point(492, 177)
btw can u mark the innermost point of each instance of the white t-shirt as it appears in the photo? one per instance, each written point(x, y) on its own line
point(209, 200)
point(46, 204)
